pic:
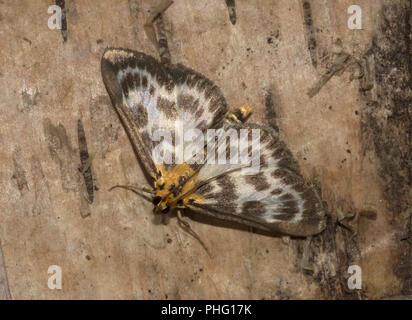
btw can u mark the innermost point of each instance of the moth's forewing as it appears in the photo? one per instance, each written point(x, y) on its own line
point(201, 103)
point(201, 106)
point(126, 77)
point(149, 96)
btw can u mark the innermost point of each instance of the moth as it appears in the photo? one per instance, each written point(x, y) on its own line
point(149, 96)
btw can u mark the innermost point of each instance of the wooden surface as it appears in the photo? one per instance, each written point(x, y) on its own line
point(4, 286)
point(352, 140)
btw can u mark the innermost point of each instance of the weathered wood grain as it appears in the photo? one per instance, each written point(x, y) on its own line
point(351, 140)
point(4, 285)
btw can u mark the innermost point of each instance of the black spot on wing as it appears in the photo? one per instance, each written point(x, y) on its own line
point(188, 103)
point(284, 156)
point(199, 111)
point(291, 207)
point(288, 177)
point(284, 216)
point(312, 204)
point(144, 82)
point(292, 179)
point(276, 191)
point(253, 208)
point(217, 104)
point(286, 196)
point(118, 59)
point(127, 83)
point(140, 116)
point(227, 193)
point(168, 107)
point(258, 181)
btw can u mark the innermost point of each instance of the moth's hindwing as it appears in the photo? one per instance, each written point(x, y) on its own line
point(276, 198)
point(149, 96)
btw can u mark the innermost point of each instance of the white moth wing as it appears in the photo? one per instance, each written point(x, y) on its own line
point(276, 198)
point(149, 97)
point(157, 104)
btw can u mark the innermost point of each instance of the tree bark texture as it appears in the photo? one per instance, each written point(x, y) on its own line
point(341, 99)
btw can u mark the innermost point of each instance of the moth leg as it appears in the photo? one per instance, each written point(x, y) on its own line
point(350, 220)
point(186, 227)
point(340, 64)
point(141, 191)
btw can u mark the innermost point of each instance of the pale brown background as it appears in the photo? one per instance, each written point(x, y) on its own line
point(353, 144)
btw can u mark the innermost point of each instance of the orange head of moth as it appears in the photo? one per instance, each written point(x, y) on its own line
point(172, 188)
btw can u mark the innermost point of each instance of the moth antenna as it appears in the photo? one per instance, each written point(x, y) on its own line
point(139, 191)
point(186, 227)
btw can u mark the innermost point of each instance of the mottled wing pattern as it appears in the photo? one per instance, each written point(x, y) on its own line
point(134, 81)
point(149, 96)
point(201, 103)
point(276, 199)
